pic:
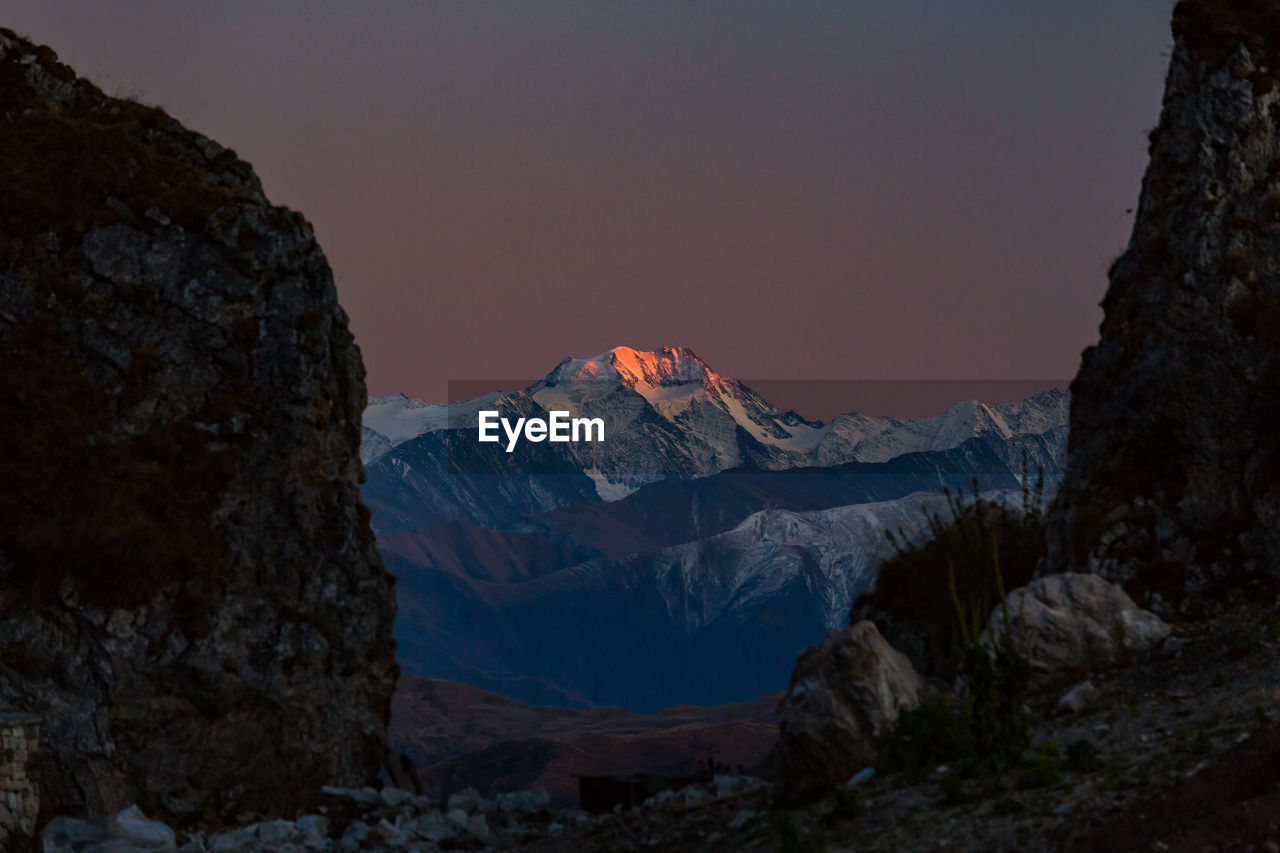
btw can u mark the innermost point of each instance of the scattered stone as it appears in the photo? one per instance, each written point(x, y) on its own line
point(661, 799)
point(395, 823)
point(395, 797)
point(1083, 697)
point(866, 774)
point(237, 839)
point(133, 826)
point(435, 827)
point(393, 834)
point(314, 828)
point(355, 836)
point(365, 797)
point(724, 785)
point(693, 794)
point(153, 214)
point(119, 208)
point(844, 691)
point(467, 800)
point(276, 832)
point(478, 826)
point(67, 833)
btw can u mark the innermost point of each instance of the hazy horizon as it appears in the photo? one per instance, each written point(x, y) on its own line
point(824, 399)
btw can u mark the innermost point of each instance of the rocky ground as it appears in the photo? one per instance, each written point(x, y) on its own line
point(1187, 757)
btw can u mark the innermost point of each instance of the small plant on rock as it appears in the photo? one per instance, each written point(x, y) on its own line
point(1007, 807)
point(792, 840)
point(1201, 743)
point(1046, 771)
point(934, 732)
point(958, 546)
point(997, 682)
point(846, 807)
point(990, 728)
point(1082, 756)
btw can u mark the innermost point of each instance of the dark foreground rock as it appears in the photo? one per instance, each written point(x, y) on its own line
point(1172, 484)
point(190, 596)
point(844, 692)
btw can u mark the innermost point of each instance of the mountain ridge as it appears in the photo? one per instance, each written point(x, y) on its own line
point(689, 422)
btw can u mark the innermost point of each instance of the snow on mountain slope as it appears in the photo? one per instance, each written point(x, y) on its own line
point(1038, 414)
point(391, 421)
point(740, 604)
point(718, 422)
point(867, 439)
point(398, 418)
point(642, 553)
point(373, 446)
point(834, 552)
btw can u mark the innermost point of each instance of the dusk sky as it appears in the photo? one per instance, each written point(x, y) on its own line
point(819, 190)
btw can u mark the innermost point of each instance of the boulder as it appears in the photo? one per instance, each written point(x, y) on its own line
point(133, 826)
point(190, 593)
point(68, 833)
point(1072, 623)
point(844, 692)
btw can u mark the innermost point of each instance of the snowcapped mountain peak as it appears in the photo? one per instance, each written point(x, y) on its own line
point(667, 413)
point(638, 370)
point(671, 366)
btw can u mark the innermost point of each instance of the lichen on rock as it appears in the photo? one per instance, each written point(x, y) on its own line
point(190, 594)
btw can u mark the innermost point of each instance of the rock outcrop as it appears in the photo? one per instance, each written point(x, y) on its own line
point(844, 691)
point(1070, 624)
point(190, 596)
point(1173, 476)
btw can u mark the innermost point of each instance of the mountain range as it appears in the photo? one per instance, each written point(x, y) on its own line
point(688, 557)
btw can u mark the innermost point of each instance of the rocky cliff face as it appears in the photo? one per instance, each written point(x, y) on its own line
point(1174, 460)
point(189, 590)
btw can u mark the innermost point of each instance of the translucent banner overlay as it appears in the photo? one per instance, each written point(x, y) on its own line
point(909, 432)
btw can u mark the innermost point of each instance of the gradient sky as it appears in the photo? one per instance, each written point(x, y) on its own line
point(914, 189)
